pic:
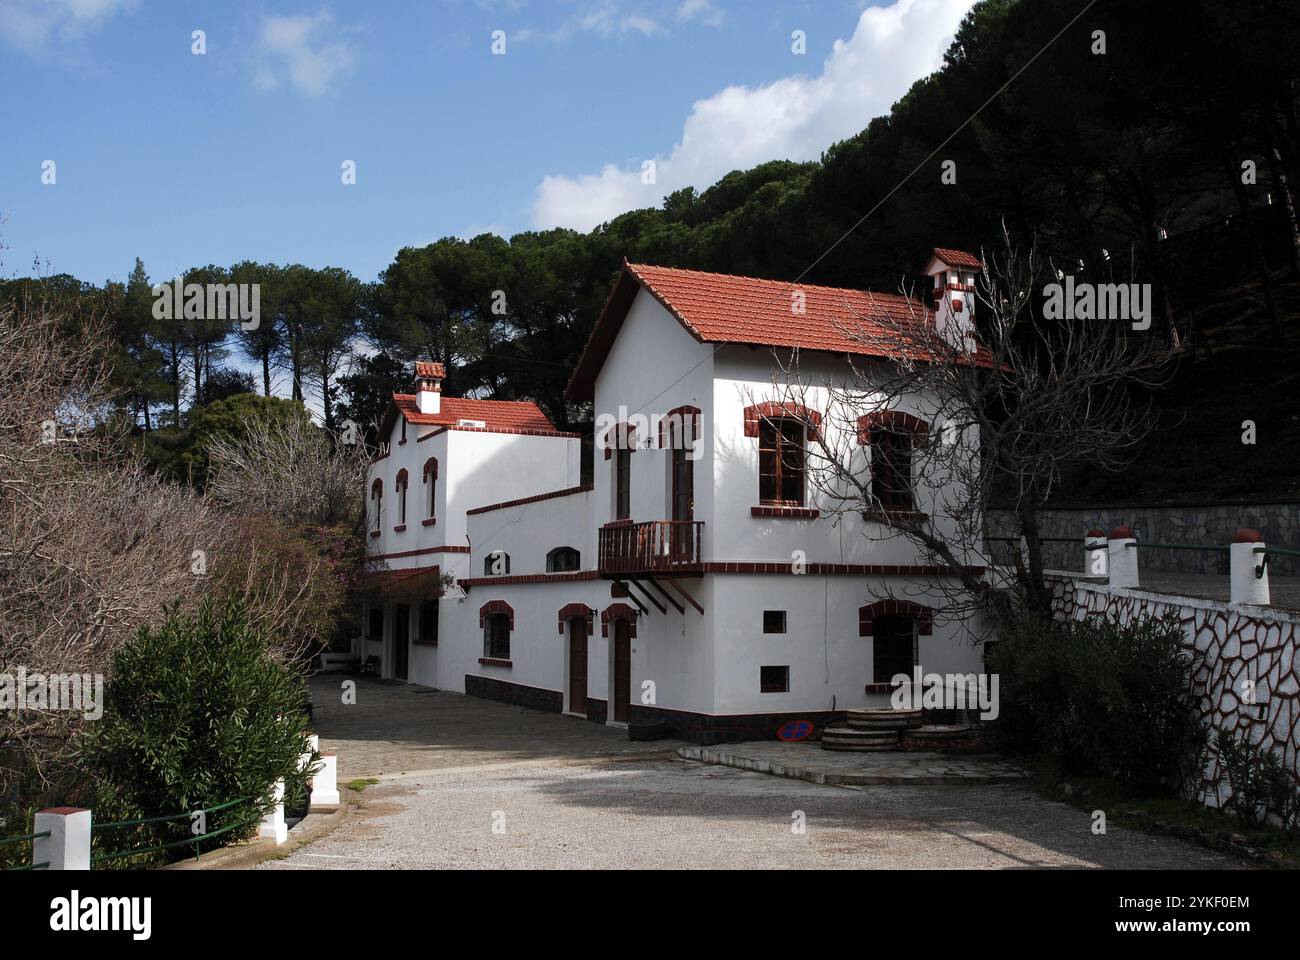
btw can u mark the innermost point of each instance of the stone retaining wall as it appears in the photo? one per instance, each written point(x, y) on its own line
point(1247, 676)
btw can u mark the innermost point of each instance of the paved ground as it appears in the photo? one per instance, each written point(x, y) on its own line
point(806, 761)
point(468, 783)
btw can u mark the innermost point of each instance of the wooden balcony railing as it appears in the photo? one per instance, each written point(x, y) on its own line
point(654, 546)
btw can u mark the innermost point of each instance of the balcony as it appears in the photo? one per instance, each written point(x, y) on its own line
point(650, 547)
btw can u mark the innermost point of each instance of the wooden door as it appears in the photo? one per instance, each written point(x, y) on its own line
point(622, 670)
point(578, 665)
point(401, 638)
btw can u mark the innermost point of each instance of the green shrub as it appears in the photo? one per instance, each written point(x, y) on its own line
point(197, 713)
point(1261, 788)
point(1100, 698)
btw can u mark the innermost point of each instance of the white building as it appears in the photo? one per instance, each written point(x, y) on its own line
point(696, 581)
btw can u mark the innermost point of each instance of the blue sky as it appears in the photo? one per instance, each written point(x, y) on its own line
point(186, 160)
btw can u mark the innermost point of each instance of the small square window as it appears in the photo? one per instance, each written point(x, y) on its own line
point(774, 621)
point(774, 679)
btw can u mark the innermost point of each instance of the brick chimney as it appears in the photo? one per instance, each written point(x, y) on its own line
point(954, 272)
point(428, 386)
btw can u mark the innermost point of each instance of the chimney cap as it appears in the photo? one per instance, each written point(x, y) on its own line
point(425, 370)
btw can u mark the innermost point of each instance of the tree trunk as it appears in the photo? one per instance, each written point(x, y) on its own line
point(1035, 585)
point(266, 370)
point(1261, 262)
point(1282, 184)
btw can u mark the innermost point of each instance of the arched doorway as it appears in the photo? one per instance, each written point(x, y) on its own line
point(578, 630)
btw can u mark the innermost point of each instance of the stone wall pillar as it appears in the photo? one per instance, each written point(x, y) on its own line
point(1246, 587)
point(1121, 548)
point(68, 845)
point(1096, 562)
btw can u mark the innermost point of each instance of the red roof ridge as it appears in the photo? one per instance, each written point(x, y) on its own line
point(859, 291)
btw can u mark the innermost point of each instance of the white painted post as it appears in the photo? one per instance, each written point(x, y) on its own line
point(273, 825)
point(1242, 562)
point(325, 784)
point(1095, 558)
point(68, 845)
point(1121, 549)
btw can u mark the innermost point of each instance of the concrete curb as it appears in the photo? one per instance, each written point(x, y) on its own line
point(726, 759)
point(246, 855)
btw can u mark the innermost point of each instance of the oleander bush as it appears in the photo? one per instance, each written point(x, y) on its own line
point(1099, 698)
point(198, 712)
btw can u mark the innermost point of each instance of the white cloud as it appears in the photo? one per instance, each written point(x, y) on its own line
point(794, 118)
point(302, 50)
point(604, 18)
point(702, 10)
point(32, 24)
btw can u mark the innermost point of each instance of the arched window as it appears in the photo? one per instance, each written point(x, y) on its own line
point(563, 559)
point(376, 503)
point(431, 484)
point(893, 647)
point(400, 485)
point(496, 564)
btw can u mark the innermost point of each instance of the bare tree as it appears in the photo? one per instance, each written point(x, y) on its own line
point(933, 426)
point(291, 469)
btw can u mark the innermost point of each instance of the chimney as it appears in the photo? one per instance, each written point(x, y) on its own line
point(428, 386)
point(954, 273)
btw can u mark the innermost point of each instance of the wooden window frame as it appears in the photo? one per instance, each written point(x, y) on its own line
point(496, 627)
point(776, 459)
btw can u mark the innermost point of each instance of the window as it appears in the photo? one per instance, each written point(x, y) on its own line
point(431, 484)
point(496, 564)
point(774, 621)
point(893, 647)
point(622, 484)
point(781, 461)
point(496, 636)
point(376, 628)
point(403, 440)
point(428, 623)
point(563, 559)
point(683, 483)
point(400, 487)
point(376, 503)
point(891, 467)
point(774, 679)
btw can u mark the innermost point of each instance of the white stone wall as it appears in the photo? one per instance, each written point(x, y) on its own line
point(1244, 653)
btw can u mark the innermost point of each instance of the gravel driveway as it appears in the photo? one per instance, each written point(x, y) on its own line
point(492, 786)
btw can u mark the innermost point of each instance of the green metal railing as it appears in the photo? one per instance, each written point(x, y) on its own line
point(1271, 551)
point(193, 841)
point(1175, 546)
point(26, 838)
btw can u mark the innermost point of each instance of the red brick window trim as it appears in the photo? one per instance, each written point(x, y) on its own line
point(399, 487)
point(923, 616)
point(430, 477)
point(573, 610)
point(789, 512)
point(377, 501)
point(680, 427)
point(495, 662)
point(618, 611)
point(496, 606)
point(621, 436)
point(772, 410)
point(895, 421)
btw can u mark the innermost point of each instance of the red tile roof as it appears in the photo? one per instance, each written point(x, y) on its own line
point(430, 371)
point(720, 308)
point(958, 258)
point(496, 415)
